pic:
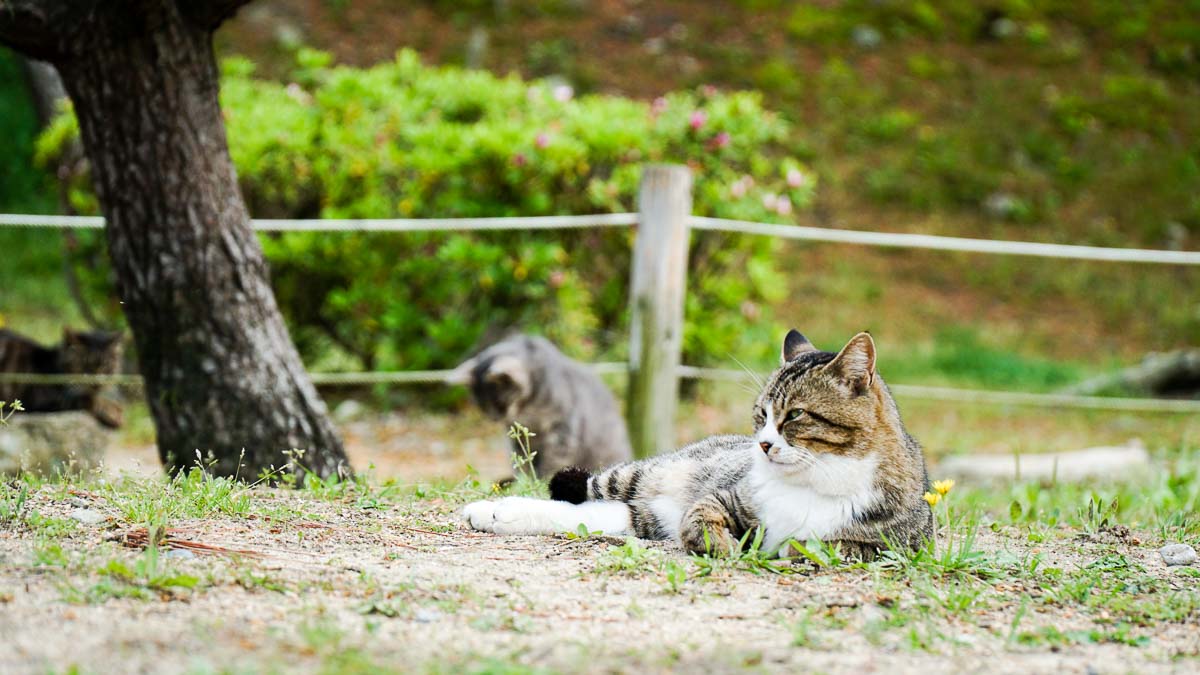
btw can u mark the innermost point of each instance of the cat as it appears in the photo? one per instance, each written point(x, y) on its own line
point(80, 353)
point(572, 414)
point(830, 460)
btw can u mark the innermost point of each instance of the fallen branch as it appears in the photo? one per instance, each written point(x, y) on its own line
point(139, 538)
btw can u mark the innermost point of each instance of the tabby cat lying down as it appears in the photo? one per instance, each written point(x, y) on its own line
point(830, 460)
point(80, 353)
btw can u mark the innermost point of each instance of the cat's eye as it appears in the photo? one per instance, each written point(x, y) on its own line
point(793, 414)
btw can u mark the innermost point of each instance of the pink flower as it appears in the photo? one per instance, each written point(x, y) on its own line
point(659, 106)
point(557, 277)
point(563, 93)
point(519, 159)
point(708, 90)
point(542, 141)
point(770, 200)
point(796, 178)
point(721, 140)
point(738, 189)
point(784, 206)
point(697, 120)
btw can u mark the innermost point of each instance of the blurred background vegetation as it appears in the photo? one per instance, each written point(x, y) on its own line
point(1071, 122)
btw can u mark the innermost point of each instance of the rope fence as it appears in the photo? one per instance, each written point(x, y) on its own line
point(665, 206)
point(362, 224)
point(700, 223)
point(941, 243)
point(911, 391)
point(984, 396)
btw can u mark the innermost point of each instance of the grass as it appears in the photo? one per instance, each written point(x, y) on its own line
point(1006, 559)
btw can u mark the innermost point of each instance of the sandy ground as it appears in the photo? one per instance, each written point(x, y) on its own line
point(406, 587)
point(313, 585)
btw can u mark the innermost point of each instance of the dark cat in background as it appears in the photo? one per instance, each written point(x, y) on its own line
point(79, 353)
point(575, 419)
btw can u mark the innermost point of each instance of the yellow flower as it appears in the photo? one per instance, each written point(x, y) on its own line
point(933, 498)
point(943, 486)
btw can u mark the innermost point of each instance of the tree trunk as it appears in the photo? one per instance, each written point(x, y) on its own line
point(223, 379)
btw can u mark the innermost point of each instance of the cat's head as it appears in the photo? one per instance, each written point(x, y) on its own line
point(500, 377)
point(820, 405)
point(91, 352)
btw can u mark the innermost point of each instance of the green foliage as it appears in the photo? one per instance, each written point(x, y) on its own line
point(23, 189)
point(960, 354)
point(194, 493)
point(13, 408)
point(525, 481)
point(403, 139)
point(26, 290)
point(631, 558)
point(13, 497)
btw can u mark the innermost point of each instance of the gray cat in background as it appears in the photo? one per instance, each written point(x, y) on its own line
point(575, 419)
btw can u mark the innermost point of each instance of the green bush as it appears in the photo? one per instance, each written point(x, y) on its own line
point(402, 139)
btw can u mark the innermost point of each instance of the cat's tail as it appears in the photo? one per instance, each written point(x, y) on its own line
point(617, 483)
point(570, 485)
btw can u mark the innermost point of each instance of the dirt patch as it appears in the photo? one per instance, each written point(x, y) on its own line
point(350, 585)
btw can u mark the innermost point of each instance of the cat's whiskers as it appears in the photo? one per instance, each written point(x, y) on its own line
point(755, 377)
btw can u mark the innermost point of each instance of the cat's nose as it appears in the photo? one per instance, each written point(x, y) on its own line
point(765, 445)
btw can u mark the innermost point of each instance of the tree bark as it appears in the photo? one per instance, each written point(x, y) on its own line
point(223, 379)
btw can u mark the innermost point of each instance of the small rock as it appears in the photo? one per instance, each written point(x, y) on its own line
point(179, 554)
point(348, 410)
point(872, 614)
point(477, 47)
point(426, 615)
point(289, 35)
point(1071, 466)
point(866, 37)
point(655, 45)
point(1177, 554)
point(1002, 28)
point(88, 516)
point(47, 443)
point(1177, 236)
point(1001, 205)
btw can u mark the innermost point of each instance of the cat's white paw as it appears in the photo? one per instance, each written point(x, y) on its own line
point(511, 515)
point(480, 515)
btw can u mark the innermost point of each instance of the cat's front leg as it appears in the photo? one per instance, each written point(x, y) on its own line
point(107, 412)
point(710, 527)
point(857, 550)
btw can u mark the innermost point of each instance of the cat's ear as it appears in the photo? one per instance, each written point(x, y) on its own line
point(508, 368)
point(462, 373)
point(795, 344)
point(855, 364)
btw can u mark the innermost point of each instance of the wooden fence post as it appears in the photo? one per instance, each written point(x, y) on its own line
point(657, 288)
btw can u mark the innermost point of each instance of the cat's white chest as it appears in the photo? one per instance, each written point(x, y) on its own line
point(794, 508)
